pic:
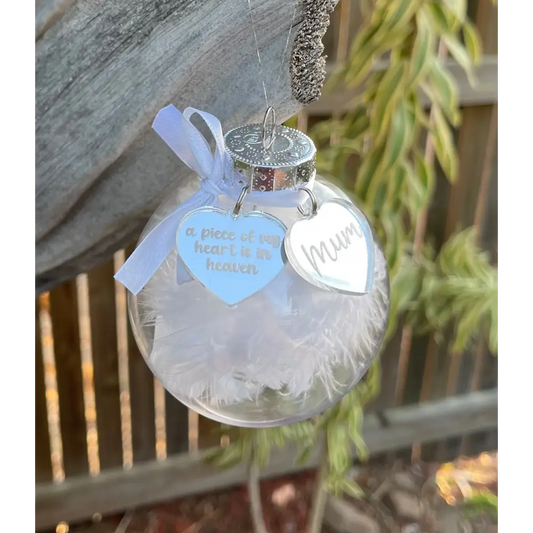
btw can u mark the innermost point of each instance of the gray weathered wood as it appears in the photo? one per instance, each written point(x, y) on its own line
point(47, 12)
point(340, 99)
point(186, 474)
point(103, 70)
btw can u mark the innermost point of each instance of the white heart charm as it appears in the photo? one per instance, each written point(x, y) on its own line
point(334, 248)
point(232, 256)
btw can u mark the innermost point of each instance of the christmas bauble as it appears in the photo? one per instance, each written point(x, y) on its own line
point(283, 354)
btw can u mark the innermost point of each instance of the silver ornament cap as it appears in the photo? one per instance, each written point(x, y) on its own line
point(271, 157)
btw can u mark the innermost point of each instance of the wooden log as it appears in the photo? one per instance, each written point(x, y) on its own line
point(47, 12)
point(187, 474)
point(103, 70)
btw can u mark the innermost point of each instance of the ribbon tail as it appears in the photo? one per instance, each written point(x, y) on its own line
point(182, 274)
point(154, 249)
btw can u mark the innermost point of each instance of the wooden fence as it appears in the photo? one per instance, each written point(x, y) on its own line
point(109, 437)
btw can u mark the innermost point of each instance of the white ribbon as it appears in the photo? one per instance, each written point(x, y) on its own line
point(186, 141)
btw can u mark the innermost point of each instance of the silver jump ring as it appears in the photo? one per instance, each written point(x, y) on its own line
point(314, 203)
point(268, 138)
point(240, 200)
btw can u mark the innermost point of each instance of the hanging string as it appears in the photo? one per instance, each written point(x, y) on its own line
point(259, 60)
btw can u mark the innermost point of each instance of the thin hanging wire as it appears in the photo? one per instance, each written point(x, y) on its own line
point(263, 77)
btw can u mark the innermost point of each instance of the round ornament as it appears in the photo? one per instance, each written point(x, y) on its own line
point(260, 297)
point(286, 352)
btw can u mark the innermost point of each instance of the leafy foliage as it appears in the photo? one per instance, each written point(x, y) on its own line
point(262, 442)
point(394, 180)
point(459, 289)
point(482, 503)
point(394, 184)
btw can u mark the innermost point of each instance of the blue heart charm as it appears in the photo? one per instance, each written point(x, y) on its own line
point(233, 256)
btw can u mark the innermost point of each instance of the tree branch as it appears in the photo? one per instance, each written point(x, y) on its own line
point(318, 504)
point(254, 493)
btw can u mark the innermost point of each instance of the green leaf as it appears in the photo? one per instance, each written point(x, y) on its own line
point(377, 196)
point(413, 194)
point(468, 324)
point(358, 124)
point(355, 430)
point(364, 58)
point(426, 177)
point(367, 171)
point(441, 22)
point(228, 457)
point(422, 49)
point(444, 144)
point(472, 42)
point(367, 47)
point(262, 447)
point(495, 340)
point(394, 191)
point(363, 51)
point(389, 92)
point(443, 90)
point(303, 456)
point(394, 242)
point(338, 448)
point(458, 51)
point(406, 284)
point(322, 132)
point(350, 487)
point(398, 140)
point(413, 124)
point(458, 8)
point(398, 13)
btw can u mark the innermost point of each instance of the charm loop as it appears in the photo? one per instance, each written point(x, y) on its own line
point(240, 200)
point(268, 138)
point(314, 204)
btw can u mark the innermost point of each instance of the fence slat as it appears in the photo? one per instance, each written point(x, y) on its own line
point(142, 399)
point(43, 460)
point(142, 403)
point(208, 432)
point(176, 425)
point(67, 352)
point(188, 474)
point(105, 361)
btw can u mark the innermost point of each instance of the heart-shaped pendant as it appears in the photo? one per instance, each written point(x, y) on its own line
point(333, 248)
point(233, 256)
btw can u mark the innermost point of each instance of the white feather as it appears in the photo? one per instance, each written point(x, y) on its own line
point(276, 354)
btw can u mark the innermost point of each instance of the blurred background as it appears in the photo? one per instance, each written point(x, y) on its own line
point(99, 409)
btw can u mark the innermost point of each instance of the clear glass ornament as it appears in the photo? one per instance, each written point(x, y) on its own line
point(284, 354)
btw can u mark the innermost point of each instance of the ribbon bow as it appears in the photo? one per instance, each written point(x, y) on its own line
point(191, 147)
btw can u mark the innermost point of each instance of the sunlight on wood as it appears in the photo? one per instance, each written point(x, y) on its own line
point(460, 480)
point(160, 430)
point(62, 527)
point(50, 379)
point(88, 373)
point(193, 430)
point(123, 372)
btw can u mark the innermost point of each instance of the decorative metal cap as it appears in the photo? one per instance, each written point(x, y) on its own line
point(271, 158)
